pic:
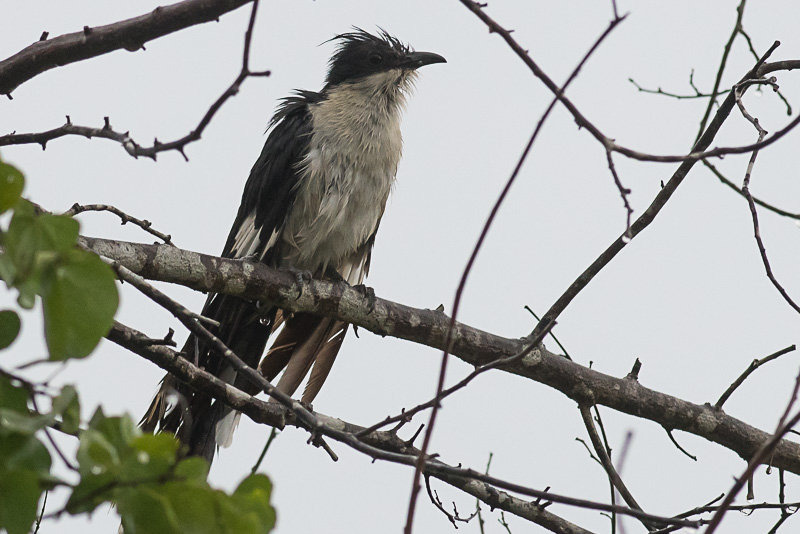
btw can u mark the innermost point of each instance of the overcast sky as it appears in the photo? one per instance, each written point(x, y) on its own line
point(688, 297)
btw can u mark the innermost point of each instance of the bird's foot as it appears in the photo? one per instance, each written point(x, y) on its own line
point(333, 275)
point(301, 277)
point(368, 293)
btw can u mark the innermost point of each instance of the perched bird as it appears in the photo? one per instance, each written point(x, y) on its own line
point(312, 203)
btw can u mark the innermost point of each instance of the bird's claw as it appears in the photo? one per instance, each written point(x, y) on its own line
point(300, 278)
point(368, 293)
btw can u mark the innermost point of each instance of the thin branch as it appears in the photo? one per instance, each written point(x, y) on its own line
point(755, 364)
point(468, 268)
point(145, 225)
point(608, 465)
point(762, 133)
point(676, 96)
point(736, 188)
point(454, 518)
point(130, 34)
point(678, 445)
point(499, 363)
point(560, 346)
point(722, 64)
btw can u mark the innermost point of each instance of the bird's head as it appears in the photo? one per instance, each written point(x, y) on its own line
point(360, 55)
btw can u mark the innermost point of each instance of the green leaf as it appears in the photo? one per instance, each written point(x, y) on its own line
point(192, 470)
point(11, 184)
point(252, 498)
point(146, 510)
point(79, 299)
point(19, 500)
point(68, 407)
point(9, 327)
point(30, 235)
point(20, 452)
point(13, 396)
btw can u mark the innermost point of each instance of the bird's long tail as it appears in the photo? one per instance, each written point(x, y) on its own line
point(197, 420)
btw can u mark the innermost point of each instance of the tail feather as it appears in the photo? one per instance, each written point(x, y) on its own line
point(190, 415)
point(306, 341)
point(324, 360)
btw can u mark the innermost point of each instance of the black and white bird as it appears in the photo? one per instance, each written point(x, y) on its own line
point(313, 202)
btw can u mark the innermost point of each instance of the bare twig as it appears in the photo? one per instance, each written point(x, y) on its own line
point(130, 34)
point(623, 192)
point(755, 364)
point(736, 188)
point(608, 465)
point(722, 64)
point(145, 225)
point(454, 518)
point(678, 445)
point(676, 96)
point(563, 349)
point(495, 364)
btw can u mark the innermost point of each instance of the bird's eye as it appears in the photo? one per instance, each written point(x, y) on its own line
point(375, 59)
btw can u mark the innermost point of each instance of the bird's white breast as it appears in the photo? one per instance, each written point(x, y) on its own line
point(354, 150)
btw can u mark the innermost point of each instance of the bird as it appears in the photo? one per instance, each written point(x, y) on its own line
point(312, 204)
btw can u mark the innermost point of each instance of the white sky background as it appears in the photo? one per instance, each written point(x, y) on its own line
point(688, 297)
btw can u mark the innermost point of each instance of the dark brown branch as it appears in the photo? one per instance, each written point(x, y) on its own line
point(132, 147)
point(378, 445)
point(145, 225)
point(429, 327)
point(762, 133)
point(676, 96)
point(605, 461)
point(736, 188)
point(755, 364)
point(722, 64)
point(500, 363)
point(130, 34)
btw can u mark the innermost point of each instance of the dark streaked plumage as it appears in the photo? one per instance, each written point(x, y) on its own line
point(313, 202)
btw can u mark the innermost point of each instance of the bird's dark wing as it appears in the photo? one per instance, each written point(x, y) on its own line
point(270, 189)
point(243, 326)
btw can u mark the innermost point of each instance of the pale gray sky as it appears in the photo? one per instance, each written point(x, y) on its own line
point(688, 297)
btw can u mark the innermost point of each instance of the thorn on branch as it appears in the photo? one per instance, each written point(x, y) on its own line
point(87, 30)
point(634, 374)
point(44, 36)
point(674, 442)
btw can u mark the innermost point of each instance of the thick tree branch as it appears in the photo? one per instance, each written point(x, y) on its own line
point(429, 327)
point(379, 445)
point(130, 34)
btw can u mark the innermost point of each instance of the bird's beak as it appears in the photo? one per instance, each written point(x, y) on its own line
point(415, 60)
